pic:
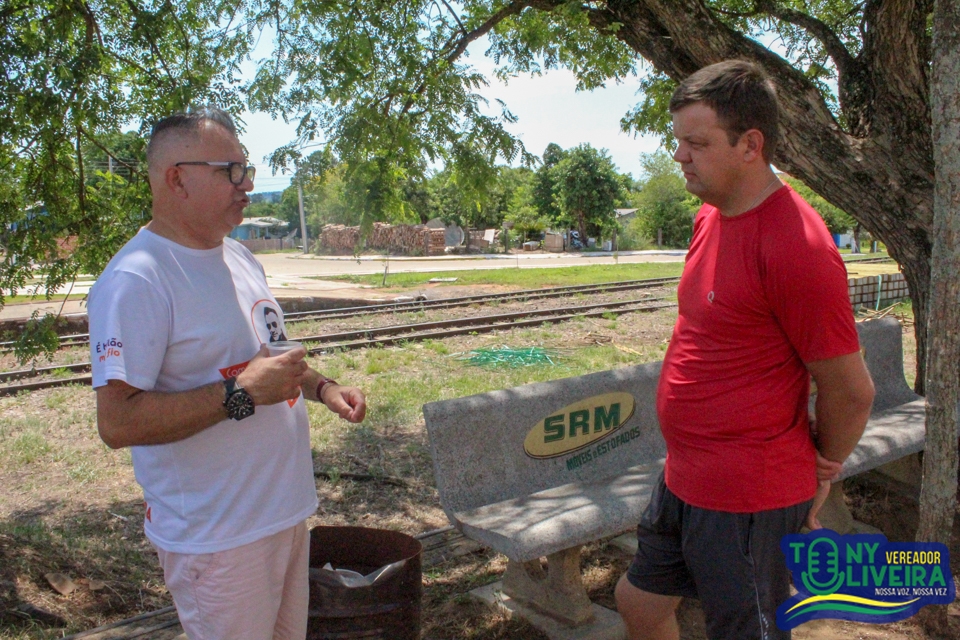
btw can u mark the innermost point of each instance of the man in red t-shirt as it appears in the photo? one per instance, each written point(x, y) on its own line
point(763, 305)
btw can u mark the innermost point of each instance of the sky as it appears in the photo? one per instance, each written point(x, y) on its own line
point(548, 108)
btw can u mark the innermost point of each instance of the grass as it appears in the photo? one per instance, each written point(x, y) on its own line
point(73, 506)
point(525, 278)
point(40, 297)
point(845, 252)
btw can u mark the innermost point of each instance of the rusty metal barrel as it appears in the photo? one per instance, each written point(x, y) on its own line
point(387, 609)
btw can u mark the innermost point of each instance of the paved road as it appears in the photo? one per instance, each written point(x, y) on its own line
point(284, 264)
point(292, 274)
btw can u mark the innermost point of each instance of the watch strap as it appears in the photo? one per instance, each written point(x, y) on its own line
point(230, 386)
point(237, 401)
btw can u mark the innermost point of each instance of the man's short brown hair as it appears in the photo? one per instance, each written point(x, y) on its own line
point(742, 96)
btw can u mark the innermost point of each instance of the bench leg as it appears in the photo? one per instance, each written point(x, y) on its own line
point(835, 514)
point(558, 592)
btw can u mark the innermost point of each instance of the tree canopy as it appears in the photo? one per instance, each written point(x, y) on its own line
point(75, 74)
point(388, 87)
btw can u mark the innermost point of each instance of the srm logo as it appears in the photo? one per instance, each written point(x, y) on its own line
point(579, 424)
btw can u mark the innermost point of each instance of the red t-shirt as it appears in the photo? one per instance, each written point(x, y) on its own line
point(761, 294)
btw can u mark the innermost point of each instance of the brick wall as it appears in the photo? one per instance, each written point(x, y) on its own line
point(863, 291)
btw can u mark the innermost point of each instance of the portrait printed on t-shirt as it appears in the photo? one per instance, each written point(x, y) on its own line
point(274, 325)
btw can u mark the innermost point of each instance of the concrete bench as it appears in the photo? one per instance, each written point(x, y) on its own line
point(603, 453)
point(542, 469)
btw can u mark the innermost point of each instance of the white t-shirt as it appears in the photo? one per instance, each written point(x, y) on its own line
point(167, 318)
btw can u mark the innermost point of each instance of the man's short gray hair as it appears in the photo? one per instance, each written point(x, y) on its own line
point(190, 121)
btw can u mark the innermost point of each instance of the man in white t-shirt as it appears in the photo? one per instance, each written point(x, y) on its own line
point(220, 440)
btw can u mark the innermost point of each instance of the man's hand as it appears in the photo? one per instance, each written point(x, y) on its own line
point(272, 379)
point(347, 402)
point(828, 469)
point(823, 491)
point(827, 472)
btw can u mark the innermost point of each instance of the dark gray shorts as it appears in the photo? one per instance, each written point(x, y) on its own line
point(731, 562)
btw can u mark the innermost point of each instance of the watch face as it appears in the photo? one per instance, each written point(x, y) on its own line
point(240, 405)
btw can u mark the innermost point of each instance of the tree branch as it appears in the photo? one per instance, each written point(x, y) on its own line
point(817, 28)
point(10, 10)
point(455, 16)
point(511, 9)
point(97, 144)
point(151, 42)
point(81, 179)
point(462, 44)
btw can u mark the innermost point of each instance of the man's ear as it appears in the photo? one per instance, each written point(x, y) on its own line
point(173, 178)
point(752, 140)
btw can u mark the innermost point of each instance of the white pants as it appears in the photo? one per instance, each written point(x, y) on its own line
point(259, 591)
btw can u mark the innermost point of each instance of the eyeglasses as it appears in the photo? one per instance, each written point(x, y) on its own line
point(236, 170)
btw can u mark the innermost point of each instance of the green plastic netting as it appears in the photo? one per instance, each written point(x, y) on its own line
point(509, 357)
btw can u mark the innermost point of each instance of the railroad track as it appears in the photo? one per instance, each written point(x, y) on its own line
point(383, 336)
point(465, 301)
point(81, 339)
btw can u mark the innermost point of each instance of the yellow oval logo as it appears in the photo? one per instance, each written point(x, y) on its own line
point(577, 425)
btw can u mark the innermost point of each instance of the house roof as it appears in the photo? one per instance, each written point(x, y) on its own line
point(265, 222)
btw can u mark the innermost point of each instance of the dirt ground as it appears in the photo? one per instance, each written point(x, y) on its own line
point(71, 506)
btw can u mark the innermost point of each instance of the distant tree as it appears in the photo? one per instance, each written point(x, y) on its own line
point(836, 219)
point(633, 236)
point(545, 183)
point(665, 206)
point(262, 209)
point(326, 202)
point(586, 188)
point(467, 197)
point(523, 214)
point(417, 193)
point(504, 189)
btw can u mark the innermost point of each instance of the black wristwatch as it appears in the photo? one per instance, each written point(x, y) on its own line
point(238, 402)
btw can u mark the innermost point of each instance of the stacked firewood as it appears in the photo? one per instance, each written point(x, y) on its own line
point(404, 238)
point(337, 238)
point(436, 242)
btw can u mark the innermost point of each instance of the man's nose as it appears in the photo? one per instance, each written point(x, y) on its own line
point(680, 155)
point(247, 185)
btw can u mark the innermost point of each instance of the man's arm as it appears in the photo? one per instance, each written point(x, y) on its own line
point(844, 397)
point(128, 416)
point(347, 402)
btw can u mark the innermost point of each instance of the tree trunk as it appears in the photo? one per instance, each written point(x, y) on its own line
point(938, 497)
point(880, 167)
point(855, 244)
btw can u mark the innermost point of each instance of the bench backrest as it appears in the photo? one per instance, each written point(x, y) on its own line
point(881, 342)
point(483, 446)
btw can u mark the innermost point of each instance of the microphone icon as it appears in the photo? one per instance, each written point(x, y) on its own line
point(823, 575)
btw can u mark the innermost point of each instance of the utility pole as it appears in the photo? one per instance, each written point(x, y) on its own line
point(303, 221)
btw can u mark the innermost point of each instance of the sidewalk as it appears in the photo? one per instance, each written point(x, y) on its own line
point(495, 256)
